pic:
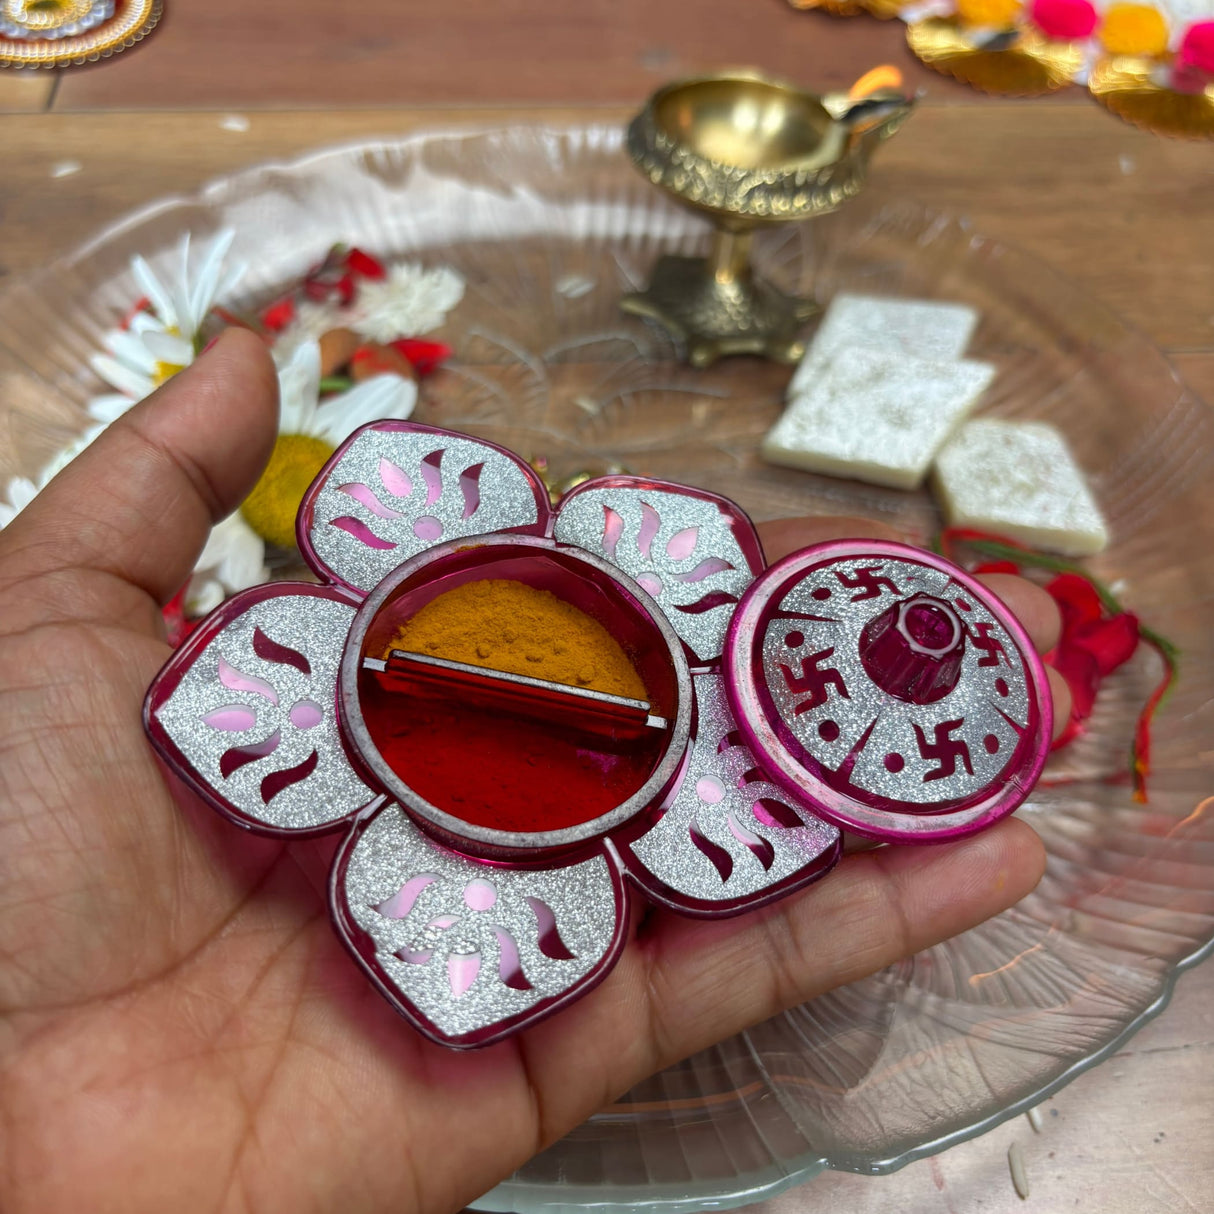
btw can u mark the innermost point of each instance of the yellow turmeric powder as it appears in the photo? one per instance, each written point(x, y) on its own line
point(510, 626)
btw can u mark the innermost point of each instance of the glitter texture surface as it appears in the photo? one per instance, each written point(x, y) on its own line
point(876, 416)
point(396, 492)
point(287, 716)
point(1018, 479)
point(938, 332)
point(717, 801)
point(680, 548)
point(969, 736)
point(471, 919)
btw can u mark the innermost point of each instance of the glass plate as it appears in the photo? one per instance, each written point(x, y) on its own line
point(549, 227)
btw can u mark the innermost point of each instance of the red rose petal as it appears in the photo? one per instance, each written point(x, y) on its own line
point(278, 315)
point(425, 356)
point(364, 265)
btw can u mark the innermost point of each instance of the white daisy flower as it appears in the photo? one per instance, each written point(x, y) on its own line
point(301, 411)
point(309, 431)
point(410, 301)
point(20, 490)
point(162, 341)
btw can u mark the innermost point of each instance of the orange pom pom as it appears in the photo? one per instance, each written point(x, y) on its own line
point(1133, 29)
point(989, 14)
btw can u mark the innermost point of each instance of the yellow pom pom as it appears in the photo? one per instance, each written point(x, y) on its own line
point(1134, 29)
point(270, 509)
point(989, 14)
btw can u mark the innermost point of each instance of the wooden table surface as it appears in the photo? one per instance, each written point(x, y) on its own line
point(1126, 214)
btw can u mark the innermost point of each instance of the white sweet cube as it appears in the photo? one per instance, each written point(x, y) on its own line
point(918, 327)
point(1018, 479)
point(876, 416)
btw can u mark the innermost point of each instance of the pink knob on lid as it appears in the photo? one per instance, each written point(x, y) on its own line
point(913, 649)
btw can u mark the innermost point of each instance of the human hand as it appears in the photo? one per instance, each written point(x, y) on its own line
point(180, 1027)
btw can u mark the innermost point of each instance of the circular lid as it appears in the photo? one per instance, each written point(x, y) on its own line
point(888, 691)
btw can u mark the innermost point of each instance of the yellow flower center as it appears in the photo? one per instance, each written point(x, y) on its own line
point(165, 371)
point(989, 14)
point(270, 509)
point(1134, 29)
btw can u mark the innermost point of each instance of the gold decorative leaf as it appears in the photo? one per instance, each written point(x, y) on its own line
point(1127, 86)
point(1027, 66)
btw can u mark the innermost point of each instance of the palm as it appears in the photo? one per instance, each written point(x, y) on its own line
point(179, 1024)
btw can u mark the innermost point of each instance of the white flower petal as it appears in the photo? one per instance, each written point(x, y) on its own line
point(180, 290)
point(202, 295)
point(130, 348)
point(234, 555)
point(21, 490)
point(382, 396)
point(158, 297)
point(203, 594)
point(228, 282)
point(146, 322)
point(18, 494)
point(69, 453)
point(109, 408)
point(118, 375)
point(166, 348)
point(299, 391)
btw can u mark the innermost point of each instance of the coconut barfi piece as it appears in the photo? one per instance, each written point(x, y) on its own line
point(1018, 479)
point(918, 327)
point(876, 416)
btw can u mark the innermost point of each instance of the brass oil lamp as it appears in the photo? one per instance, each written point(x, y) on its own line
point(747, 151)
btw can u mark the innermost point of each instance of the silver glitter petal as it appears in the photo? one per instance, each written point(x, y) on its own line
point(399, 489)
point(258, 703)
point(711, 846)
point(467, 946)
point(978, 723)
point(681, 547)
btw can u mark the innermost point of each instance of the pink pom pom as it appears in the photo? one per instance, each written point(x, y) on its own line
point(1066, 20)
point(1197, 48)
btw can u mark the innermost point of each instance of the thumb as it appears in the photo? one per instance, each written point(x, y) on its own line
point(117, 532)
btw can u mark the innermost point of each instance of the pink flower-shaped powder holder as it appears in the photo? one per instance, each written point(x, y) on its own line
point(858, 684)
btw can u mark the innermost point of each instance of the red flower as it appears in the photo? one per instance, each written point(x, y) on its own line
point(425, 356)
point(1093, 644)
point(1067, 20)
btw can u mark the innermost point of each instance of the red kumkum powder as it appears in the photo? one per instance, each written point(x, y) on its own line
point(493, 769)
